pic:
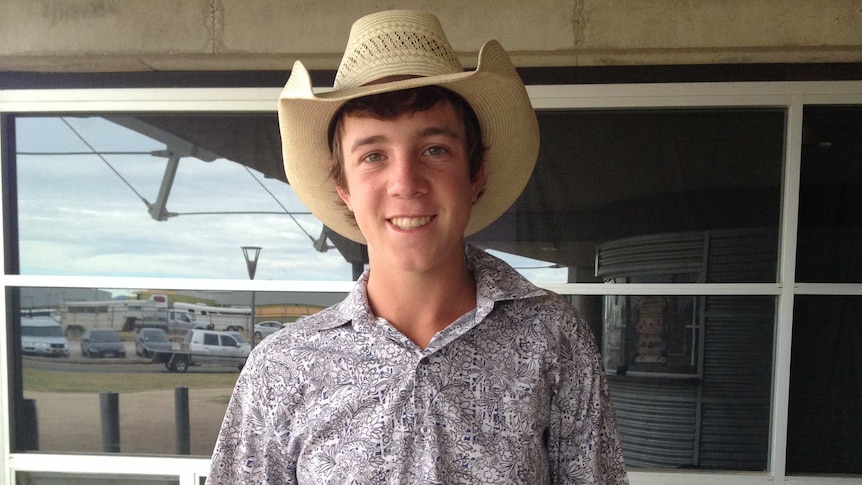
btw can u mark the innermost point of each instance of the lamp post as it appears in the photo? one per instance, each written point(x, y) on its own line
point(250, 253)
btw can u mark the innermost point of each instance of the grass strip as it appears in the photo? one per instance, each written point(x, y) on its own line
point(52, 381)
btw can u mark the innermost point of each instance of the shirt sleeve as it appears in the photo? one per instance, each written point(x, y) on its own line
point(583, 445)
point(253, 445)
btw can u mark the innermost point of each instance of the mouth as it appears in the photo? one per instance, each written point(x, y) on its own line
point(409, 223)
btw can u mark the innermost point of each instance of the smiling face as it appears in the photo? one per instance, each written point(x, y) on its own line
point(407, 182)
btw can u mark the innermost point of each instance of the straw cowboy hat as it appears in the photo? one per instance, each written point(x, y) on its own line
point(408, 43)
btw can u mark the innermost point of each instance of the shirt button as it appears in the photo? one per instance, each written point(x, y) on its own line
point(424, 361)
point(425, 430)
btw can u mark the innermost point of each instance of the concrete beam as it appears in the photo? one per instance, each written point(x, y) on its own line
point(167, 35)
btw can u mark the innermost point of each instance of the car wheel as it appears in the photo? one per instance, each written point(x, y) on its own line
point(180, 364)
point(258, 336)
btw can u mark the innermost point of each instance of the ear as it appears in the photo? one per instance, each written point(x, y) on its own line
point(478, 184)
point(345, 196)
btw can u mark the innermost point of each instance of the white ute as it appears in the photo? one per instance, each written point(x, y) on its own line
point(205, 347)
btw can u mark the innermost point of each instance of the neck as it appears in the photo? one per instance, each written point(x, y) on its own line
point(420, 304)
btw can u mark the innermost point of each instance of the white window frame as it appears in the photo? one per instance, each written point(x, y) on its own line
point(790, 96)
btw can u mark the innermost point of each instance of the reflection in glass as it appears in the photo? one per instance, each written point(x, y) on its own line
point(174, 196)
point(713, 414)
point(163, 196)
point(58, 402)
point(652, 334)
point(830, 196)
point(49, 478)
point(604, 176)
point(691, 375)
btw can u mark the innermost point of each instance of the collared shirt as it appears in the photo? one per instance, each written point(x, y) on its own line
point(511, 392)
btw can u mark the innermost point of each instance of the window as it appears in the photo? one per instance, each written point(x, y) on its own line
point(666, 213)
point(825, 420)
point(672, 197)
point(65, 394)
point(167, 195)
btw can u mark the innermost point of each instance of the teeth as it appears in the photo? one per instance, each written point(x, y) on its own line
point(408, 223)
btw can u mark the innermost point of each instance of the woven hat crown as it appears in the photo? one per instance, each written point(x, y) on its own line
point(395, 43)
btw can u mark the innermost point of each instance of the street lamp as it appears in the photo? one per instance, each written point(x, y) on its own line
point(250, 253)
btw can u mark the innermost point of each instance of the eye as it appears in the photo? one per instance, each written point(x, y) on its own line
point(372, 157)
point(436, 150)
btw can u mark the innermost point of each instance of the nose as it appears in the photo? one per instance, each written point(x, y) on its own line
point(407, 178)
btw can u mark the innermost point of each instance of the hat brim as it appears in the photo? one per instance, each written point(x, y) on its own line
point(494, 90)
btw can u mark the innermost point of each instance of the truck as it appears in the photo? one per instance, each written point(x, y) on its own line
point(201, 347)
point(132, 315)
point(119, 315)
point(198, 315)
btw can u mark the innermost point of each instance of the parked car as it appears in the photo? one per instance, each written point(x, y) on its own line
point(102, 342)
point(43, 336)
point(205, 347)
point(150, 340)
point(262, 329)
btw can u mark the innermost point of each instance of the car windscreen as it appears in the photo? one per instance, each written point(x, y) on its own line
point(46, 331)
point(104, 337)
point(154, 337)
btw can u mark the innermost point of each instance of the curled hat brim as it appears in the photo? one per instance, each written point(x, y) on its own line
point(494, 90)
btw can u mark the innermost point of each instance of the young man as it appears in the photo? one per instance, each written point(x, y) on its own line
point(443, 365)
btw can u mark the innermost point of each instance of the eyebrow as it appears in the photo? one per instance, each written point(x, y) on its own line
point(427, 132)
point(438, 130)
point(368, 140)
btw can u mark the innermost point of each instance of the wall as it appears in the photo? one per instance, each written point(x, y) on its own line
point(169, 35)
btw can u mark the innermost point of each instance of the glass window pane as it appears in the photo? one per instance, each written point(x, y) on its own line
point(166, 196)
point(830, 198)
point(50, 478)
point(57, 392)
point(825, 414)
point(701, 186)
point(174, 195)
point(690, 378)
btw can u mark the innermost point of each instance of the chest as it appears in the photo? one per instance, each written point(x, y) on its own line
point(482, 381)
point(379, 408)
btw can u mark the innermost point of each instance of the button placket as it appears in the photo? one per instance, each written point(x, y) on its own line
point(421, 394)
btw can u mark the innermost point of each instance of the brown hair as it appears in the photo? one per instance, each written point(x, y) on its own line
point(390, 105)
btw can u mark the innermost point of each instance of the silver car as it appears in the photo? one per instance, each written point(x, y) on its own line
point(43, 336)
point(262, 329)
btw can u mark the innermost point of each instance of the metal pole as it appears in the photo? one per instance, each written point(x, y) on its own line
point(251, 253)
point(251, 326)
point(29, 431)
point(181, 418)
point(110, 413)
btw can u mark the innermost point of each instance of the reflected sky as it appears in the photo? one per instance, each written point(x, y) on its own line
point(86, 213)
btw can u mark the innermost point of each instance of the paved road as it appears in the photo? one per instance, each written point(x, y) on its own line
point(130, 364)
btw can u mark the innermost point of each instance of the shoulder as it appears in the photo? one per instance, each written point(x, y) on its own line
point(301, 336)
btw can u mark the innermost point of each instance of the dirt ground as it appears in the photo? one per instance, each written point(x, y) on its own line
point(71, 422)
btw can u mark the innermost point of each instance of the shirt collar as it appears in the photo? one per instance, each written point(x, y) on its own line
point(495, 281)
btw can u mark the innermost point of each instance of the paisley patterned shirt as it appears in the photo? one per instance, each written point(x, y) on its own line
point(512, 392)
